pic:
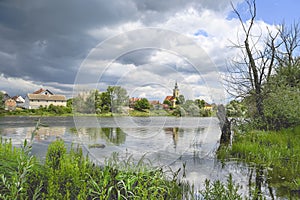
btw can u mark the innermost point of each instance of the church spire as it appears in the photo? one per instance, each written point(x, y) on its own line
point(176, 91)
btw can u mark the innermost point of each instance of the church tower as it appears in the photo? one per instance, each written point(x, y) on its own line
point(176, 91)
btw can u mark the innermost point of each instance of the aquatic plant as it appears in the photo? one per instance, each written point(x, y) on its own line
point(276, 152)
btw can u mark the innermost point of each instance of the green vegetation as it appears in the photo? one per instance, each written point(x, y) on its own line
point(266, 76)
point(1, 102)
point(194, 108)
point(236, 109)
point(43, 111)
point(149, 112)
point(94, 102)
point(70, 175)
point(278, 152)
point(221, 191)
point(282, 104)
point(142, 104)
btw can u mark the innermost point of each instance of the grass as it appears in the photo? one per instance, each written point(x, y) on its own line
point(70, 175)
point(132, 113)
point(148, 113)
point(277, 152)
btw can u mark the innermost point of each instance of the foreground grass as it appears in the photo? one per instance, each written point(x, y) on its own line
point(70, 175)
point(278, 153)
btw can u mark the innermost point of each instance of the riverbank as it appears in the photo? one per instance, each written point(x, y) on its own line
point(131, 113)
point(70, 175)
point(275, 155)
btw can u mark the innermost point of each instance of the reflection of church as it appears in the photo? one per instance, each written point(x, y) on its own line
point(174, 132)
point(173, 98)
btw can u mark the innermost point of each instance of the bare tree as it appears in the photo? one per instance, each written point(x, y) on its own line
point(252, 70)
point(262, 55)
point(290, 40)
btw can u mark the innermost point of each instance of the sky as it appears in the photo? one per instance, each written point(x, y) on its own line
point(144, 46)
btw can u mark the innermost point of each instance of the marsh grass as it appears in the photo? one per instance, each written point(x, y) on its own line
point(278, 152)
point(71, 175)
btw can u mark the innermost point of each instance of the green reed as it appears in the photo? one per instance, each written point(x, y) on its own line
point(277, 152)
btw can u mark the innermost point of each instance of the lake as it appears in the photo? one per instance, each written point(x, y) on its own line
point(170, 142)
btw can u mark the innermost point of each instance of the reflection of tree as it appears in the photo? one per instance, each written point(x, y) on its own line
point(73, 130)
point(93, 133)
point(199, 130)
point(114, 135)
point(111, 135)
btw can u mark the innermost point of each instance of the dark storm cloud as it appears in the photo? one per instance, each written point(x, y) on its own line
point(48, 39)
point(45, 41)
point(174, 5)
point(138, 57)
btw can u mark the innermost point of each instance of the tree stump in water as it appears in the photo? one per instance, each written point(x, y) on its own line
point(225, 126)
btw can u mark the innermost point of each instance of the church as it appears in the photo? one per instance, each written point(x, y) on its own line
point(173, 98)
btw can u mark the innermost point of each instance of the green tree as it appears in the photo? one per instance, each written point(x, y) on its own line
point(282, 104)
point(191, 108)
point(167, 102)
point(79, 104)
point(1, 101)
point(118, 98)
point(105, 102)
point(200, 103)
point(235, 109)
point(142, 104)
point(90, 102)
point(180, 99)
point(70, 102)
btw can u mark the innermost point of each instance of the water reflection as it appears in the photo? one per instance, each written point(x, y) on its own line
point(111, 135)
point(166, 141)
point(19, 134)
point(169, 142)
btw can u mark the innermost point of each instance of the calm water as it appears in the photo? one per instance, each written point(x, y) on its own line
point(166, 141)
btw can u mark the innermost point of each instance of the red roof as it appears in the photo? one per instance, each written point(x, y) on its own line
point(134, 99)
point(15, 98)
point(39, 91)
point(169, 98)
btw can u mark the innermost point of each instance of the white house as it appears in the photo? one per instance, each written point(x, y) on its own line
point(19, 100)
point(44, 98)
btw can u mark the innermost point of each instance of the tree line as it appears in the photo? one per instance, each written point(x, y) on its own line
point(112, 100)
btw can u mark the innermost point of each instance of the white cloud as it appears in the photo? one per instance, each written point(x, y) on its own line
point(111, 31)
point(19, 86)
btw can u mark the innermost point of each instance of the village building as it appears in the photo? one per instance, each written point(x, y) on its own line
point(174, 97)
point(20, 101)
point(208, 106)
point(44, 98)
point(10, 104)
point(132, 101)
point(156, 105)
